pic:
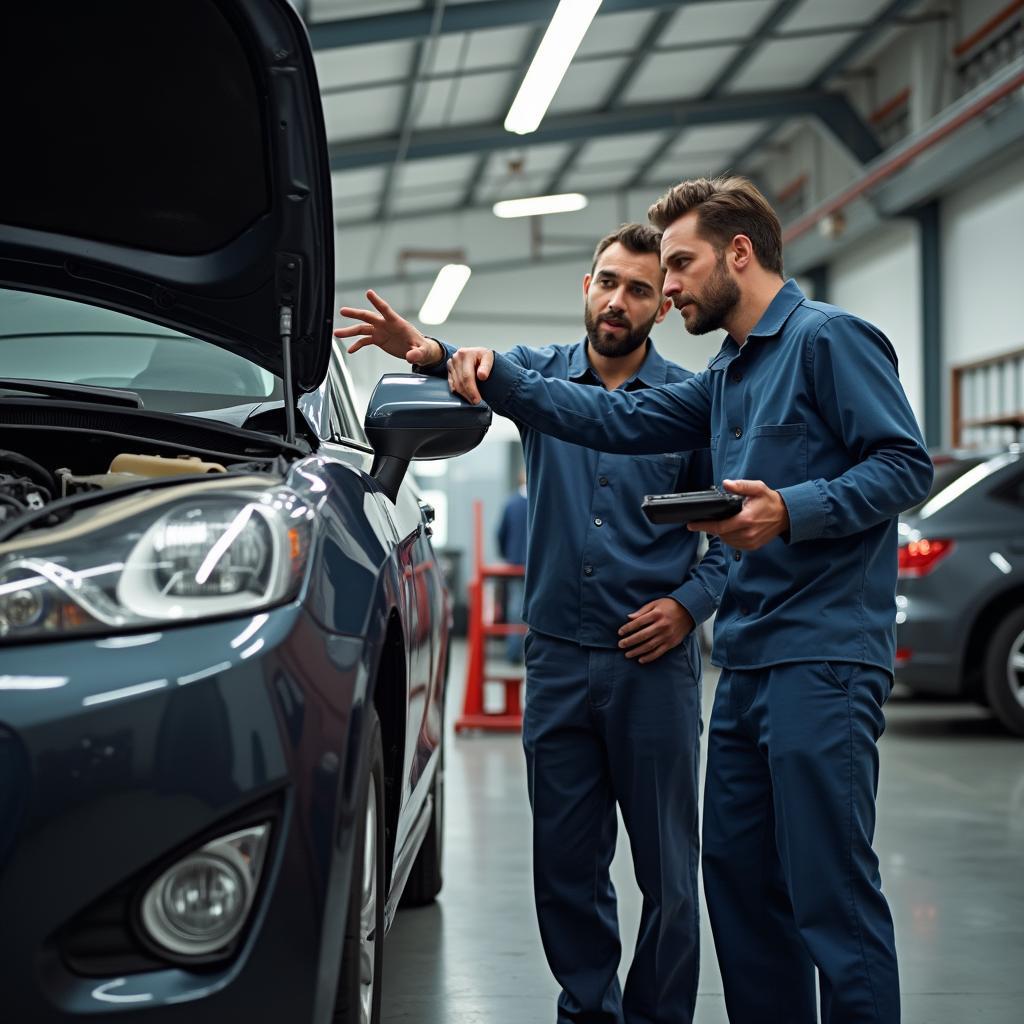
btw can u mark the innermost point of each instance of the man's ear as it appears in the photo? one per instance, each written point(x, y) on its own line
point(741, 251)
point(666, 305)
point(586, 284)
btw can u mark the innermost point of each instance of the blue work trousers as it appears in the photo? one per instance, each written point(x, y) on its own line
point(601, 729)
point(790, 875)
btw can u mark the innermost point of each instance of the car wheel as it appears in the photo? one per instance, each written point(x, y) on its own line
point(425, 880)
point(1004, 672)
point(362, 958)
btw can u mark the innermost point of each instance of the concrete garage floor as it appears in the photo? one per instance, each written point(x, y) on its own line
point(950, 837)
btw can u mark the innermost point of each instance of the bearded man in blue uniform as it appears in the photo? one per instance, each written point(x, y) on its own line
point(613, 666)
point(806, 418)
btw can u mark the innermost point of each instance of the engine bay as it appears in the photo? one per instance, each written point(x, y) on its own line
point(26, 485)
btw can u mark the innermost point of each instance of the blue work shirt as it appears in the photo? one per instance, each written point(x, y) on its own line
point(592, 557)
point(812, 405)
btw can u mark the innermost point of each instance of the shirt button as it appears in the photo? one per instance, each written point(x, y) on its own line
point(736, 556)
point(598, 522)
point(738, 432)
point(737, 377)
point(588, 570)
point(603, 481)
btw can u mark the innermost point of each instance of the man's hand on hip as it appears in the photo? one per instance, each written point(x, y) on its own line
point(383, 327)
point(655, 629)
point(764, 517)
point(465, 368)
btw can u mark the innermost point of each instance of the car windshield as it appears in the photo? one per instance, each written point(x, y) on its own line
point(46, 338)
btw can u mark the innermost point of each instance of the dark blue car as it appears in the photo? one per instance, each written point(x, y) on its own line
point(223, 631)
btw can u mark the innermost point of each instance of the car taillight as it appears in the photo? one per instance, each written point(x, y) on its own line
point(919, 557)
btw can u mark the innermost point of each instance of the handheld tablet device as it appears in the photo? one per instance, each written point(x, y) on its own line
point(691, 506)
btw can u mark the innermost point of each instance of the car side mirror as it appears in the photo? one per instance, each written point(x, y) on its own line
point(412, 416)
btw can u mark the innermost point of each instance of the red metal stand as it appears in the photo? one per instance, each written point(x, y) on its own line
point(481, 626)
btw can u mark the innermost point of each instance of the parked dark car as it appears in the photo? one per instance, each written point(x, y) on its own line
point(960, 614)
point(223, 632)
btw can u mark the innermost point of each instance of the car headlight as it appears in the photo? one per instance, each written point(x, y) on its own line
point(213, 553)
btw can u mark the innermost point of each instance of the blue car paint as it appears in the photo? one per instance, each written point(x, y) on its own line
point(238, 709)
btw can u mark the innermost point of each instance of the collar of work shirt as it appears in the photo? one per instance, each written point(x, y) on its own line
point(774, 318)
point(652, 373)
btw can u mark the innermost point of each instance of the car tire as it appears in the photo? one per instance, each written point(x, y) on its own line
point(358, 997)
point(425, 879)
point(1004, 672)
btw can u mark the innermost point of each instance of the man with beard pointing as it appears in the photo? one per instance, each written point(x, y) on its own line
point(612, 661)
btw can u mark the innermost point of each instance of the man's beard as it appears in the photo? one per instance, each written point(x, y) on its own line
point(720, 297)
point(612, 347)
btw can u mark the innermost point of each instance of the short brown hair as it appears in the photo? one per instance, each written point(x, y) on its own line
point(725, 207)
point(638, 238)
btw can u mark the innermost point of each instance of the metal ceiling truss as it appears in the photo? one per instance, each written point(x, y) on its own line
point(832, 107)
point(468, 17)
point(597, 57)
point(726, 76)
point(422, 56)
point(883, 20)
point(655, 29)
point(477, 176)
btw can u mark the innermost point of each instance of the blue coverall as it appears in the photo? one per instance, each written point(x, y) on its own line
point(601, 729)
point(812, 405)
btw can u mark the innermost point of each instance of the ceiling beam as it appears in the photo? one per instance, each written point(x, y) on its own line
point(525, 60)
point(882, 21)
point(834, 108)
point(503, 266)
point(655, 29)
point(400, 26)
point(597, 57)
point(728, 74)
point(422, 57)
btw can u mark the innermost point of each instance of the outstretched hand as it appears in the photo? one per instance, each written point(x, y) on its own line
point(764, 517)
point(383, 327)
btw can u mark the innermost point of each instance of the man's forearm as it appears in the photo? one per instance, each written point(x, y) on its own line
point(670, 418)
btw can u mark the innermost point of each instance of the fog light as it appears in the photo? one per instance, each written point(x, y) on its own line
point(201, 903)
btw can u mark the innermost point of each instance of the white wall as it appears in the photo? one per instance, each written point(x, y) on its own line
point(879, 279)
point(982, 270)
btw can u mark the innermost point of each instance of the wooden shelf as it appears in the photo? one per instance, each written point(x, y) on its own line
point(1006, 419)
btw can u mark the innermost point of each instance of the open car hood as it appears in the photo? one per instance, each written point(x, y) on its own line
point(167, 159)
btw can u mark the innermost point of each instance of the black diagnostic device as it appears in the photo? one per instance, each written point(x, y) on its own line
point(691, 506)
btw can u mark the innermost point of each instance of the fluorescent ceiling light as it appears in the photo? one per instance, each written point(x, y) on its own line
point(444, 293)
point(568, 26)
point(536, 206)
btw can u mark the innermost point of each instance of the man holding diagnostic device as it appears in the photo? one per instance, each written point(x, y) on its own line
point(806, 419)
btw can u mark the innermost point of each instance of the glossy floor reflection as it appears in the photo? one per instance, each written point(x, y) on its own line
point(950, 837)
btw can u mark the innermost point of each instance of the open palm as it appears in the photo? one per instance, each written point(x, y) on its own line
point(383, 327)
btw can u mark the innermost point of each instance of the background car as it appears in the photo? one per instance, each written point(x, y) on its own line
point(223, 630)
point(960, 615)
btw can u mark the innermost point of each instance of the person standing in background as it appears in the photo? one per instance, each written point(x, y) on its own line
point(512, 548)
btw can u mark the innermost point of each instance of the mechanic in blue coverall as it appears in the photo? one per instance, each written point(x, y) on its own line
point(805, 416)
point(612, 661)
point(512, 548)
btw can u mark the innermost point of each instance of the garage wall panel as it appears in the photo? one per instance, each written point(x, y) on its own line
point(983, 300)
point(880, 280)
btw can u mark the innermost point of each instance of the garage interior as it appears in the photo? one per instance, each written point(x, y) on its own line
point(889, 135)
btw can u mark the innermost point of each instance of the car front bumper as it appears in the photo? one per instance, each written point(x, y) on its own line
point(124, 753)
